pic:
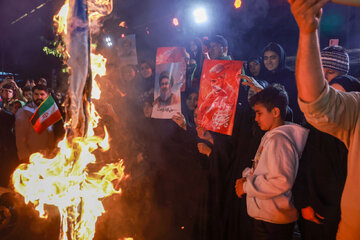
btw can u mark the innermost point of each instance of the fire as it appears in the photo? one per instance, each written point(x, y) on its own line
point(65, 181)
point(123, 24)
point(237, 3)
point(60, 19)
point(98, 68)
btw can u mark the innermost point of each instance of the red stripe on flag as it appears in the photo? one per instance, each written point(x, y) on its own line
point(40, 127)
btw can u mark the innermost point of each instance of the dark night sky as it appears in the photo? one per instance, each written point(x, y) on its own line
point(248, 29)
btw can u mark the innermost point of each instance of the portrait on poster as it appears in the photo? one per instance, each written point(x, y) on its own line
point(127, 50)
point(218, 95)
point(168, 79)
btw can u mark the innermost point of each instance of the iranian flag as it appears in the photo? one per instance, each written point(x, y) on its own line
point(45, 115)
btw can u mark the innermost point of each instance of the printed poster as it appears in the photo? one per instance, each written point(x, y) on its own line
point(127, 50)
point(218, 95)
point(167, 99)
point(172, 55)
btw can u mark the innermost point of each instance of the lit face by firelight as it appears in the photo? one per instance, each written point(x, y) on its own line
point(271, 60)
point(264, 118)
point(330, 74)
point(145, 70)
point(192, 101)
point(216, 50)
point(254, 68)
point(7, 94)
point(165, 88)
point(39, 96)
point(28, 95)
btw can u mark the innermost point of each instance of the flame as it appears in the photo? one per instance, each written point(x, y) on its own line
point(123, 24)
point(237, 3)
point(65, 180)
point(98, 68)
point(60, 19)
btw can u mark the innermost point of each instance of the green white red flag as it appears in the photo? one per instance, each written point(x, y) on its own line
point(45, 115)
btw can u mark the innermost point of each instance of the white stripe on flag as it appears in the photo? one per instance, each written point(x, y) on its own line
point(48, 113)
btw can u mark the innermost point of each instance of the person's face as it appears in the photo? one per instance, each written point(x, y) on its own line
point(28, 95)
point(254, 68)
point(264, 118)
point(58, 95)
point(126, 46)
point(147, 109)
point(192, 101)
point(145, 70)
point(196, 117)
point(330, 74)
point(216, 83)
point(165, 87)
point(193, 46)
point(7, 94)
point(128, 74)
point(216, 50)
point(39, 96)
point(42, 81)
point(271, 60)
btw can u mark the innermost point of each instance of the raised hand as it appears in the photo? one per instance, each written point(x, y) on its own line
point(307, 14)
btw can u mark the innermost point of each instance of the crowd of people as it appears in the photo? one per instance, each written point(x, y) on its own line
point(187, 182)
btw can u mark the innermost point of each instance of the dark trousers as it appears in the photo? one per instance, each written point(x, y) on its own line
point(271, 231)
point(313, 231)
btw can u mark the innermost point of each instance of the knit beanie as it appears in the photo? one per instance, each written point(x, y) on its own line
point(336, 58)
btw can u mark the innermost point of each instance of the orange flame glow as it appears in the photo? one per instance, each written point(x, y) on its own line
point(98, 68)
point(237, 3)
point(65, 182)
point(60, 19)
point(123, 24)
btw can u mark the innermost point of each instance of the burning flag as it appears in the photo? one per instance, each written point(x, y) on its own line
point(67, 181)
point(45, 115)
point(77, 43)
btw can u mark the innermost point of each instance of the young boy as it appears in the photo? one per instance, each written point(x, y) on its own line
point(268, 183)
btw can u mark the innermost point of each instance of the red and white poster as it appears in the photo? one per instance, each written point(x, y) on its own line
point(218, 95)
point(173, 55)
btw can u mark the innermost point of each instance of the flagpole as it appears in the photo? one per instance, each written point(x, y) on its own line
point(88, 84)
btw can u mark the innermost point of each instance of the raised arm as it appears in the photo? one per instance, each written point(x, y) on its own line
point(310, 79)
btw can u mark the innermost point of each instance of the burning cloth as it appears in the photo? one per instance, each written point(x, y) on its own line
point(218, 95)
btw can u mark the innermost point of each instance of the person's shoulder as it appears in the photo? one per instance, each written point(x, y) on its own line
point(348, 82)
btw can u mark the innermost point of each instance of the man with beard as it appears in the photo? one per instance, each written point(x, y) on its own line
point(217, 105)
point(166, 97)
point(28, 141)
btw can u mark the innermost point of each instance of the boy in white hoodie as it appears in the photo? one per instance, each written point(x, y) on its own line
point(268, 183)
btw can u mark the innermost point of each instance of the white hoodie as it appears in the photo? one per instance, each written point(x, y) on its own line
point(268, 184)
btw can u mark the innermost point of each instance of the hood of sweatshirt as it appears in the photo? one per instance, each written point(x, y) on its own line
point(294, 132)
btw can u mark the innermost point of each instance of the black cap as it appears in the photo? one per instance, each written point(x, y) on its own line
point(219, 39)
